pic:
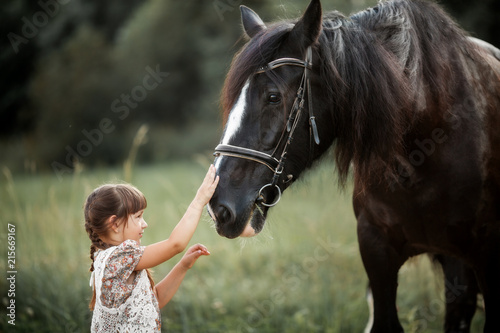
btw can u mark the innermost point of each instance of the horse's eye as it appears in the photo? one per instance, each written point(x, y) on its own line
point(274, 98)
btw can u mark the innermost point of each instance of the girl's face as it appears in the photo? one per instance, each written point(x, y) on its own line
point(134, 228)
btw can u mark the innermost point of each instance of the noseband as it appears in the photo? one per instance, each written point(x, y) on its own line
point(271, 161)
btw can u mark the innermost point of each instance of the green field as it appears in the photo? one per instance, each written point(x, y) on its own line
point(303, 273)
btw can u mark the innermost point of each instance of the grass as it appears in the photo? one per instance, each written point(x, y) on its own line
point(302, 274)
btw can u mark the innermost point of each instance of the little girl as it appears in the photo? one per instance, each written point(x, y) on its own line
point(125, 298)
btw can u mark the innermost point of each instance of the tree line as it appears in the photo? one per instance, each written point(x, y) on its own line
point(81, 77)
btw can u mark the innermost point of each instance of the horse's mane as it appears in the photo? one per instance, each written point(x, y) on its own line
point(381, 67)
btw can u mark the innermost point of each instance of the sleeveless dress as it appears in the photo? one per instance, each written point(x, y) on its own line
point(125, 301)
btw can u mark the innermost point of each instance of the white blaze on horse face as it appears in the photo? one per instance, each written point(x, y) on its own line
point(233, 124)
point(236, 115)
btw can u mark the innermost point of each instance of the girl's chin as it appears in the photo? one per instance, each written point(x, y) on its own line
point(137, 240)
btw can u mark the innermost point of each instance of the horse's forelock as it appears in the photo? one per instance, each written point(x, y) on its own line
point(259, 51)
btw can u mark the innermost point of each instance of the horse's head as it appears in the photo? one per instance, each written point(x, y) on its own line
point(269, 136)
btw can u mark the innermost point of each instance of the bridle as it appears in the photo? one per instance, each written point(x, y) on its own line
point(271, 161)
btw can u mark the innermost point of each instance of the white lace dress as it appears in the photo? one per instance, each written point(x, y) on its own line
point(125, 301)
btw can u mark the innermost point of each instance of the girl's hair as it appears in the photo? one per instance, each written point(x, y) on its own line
point(105, 201)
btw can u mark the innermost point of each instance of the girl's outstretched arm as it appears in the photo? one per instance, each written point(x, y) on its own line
point(167, 287)
point(160, 252)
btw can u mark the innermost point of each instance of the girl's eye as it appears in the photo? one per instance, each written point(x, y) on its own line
point(274, 98)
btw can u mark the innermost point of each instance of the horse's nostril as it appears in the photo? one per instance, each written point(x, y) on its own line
point(224, 214)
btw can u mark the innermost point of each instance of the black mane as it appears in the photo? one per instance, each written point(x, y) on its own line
point(384, 66)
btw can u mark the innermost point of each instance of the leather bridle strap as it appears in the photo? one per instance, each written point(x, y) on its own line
point(284, 62)
point(312, 118)
point(249, 154)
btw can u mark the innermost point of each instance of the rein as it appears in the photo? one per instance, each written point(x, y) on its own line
point(275, 165)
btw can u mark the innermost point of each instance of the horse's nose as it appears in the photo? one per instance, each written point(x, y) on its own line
point(224, 215)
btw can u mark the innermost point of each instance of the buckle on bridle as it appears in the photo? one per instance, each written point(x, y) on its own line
point(261, 198)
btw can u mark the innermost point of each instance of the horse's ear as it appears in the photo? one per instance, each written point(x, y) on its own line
point(252, 23)
point(308, 28)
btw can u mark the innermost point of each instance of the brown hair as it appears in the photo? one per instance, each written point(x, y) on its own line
point(105, 201)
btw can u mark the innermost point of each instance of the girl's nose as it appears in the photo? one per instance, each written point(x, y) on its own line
point(144, 224)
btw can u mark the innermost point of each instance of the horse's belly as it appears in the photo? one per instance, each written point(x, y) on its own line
point(431, 219)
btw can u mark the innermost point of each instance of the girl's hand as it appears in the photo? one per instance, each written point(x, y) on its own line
point(207, 188)
point(167, 287)
point(192, 254)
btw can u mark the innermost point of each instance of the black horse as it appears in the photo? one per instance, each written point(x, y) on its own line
point(406, 101)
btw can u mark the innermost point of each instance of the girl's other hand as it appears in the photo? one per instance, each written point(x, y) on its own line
point(192, 254)
point(208, 187)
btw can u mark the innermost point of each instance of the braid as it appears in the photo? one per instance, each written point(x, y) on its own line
point(97, 244)
point(93, 250)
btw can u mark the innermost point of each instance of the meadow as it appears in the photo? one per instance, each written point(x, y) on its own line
point(303, 273)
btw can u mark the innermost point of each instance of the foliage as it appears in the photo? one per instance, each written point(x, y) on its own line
point(73, 64)
point(479, 18)
point(88, 64)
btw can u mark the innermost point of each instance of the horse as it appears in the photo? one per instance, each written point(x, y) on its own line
point(409, 105)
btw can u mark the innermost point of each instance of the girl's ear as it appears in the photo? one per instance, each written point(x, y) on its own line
point(113, 223)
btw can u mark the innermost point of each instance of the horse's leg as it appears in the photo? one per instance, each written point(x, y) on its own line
point(382, 263)
point(461, 294)
point(488, 278)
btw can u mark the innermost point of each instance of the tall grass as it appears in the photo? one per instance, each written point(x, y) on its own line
point(302, 274)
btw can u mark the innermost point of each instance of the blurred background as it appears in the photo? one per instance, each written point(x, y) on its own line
point(68, 64)
point(103, 91)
